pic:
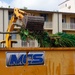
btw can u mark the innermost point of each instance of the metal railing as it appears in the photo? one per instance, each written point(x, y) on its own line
point(48, 25)
point(68, 25)
point(30, 43)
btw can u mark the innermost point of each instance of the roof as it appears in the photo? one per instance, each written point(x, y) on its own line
point(63, 2)
point(38, 11)
point(11, 9)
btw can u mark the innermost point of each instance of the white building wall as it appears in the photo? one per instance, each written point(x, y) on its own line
point(1, 24)
point(67, 6)
point(5, 21)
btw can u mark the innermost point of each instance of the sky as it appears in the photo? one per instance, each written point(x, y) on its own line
point(32, 4)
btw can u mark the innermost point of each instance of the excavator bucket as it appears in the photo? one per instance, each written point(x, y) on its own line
point(33, 23)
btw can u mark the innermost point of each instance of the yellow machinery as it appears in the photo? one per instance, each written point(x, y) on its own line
point(34, 61)
point(18, 14)
point(32, 23)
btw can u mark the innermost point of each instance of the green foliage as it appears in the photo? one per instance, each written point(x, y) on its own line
point(25, 34)
point(41, 36)
point(63, 40)
point(44, 40)
point(8, 6)
point(25, 8)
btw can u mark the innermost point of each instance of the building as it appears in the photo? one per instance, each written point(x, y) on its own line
point(54, 22)
point(67, 6)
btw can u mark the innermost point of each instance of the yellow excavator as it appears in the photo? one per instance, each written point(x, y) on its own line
point(28, 21)
point(18, 14)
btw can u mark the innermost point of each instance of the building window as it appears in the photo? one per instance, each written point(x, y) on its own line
point(24, 44)
point(72, 23)
point(72, 20)
point(45, 16)
point(10, 15)
point(69, 7)
point(30, 43)
point(13, 36)
point(64, 20)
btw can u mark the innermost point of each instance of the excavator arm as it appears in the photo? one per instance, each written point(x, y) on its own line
point(32, 23)
point(18, 14)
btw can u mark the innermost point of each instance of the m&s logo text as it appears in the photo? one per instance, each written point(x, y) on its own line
point(20, 58)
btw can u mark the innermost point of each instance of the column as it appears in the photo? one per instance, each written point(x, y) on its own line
point(60, 22)
point(5, 20)
point(1, 24)
point(57, 23)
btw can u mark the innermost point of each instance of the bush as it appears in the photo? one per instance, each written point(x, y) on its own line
point(54, 40)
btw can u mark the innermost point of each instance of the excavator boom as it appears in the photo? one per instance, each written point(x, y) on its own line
point(32, 23)
point(18, 14)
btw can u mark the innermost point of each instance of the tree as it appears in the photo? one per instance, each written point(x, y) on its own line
point(25, 8)
point(8, 6)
